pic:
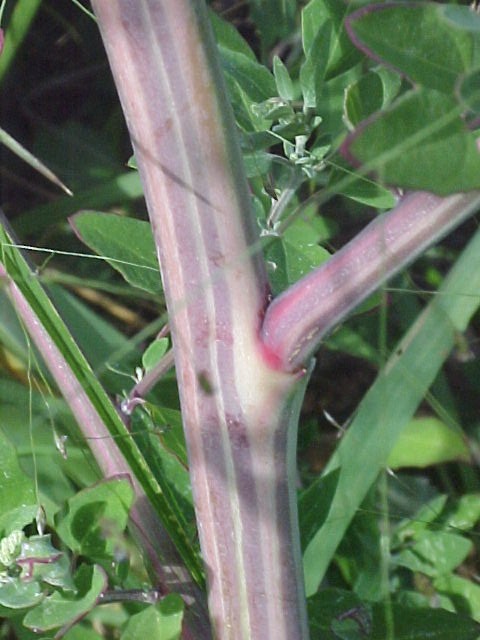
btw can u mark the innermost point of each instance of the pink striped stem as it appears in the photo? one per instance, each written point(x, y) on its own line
point(233, 403)
point(298, 319)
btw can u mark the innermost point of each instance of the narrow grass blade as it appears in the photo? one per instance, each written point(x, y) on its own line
point(25, 155)
point(390, 404)
point(16, 30)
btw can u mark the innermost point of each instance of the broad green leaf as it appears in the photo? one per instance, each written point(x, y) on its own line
point(255, 80)
point(420, 142)
point(329, 615)
point(50, 565)
point(312, 71)
point(274, 19)
point(257, 163)
point(420, 623)
point(392, 83)
point(363, 98)
point(427, 441)
point(460, 590)
point(57, 610)
point(17, 595)
point(123, 187)
point(361, 189)
point(466, 512)
point(162, 621)
point(283, 80)
point(125, 243)
point(228, 37)
point(435, 553)
point(417, 40)
point(391, 403)
point(429, 513)
point(342, 55)
point(18, 505)
point(82, 632)
point(349, 341)
point(154, 353)
point(296, 252)
point(314, 505)
point(93, 520)
point(336, 614)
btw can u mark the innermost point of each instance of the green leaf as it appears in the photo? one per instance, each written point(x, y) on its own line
point(283, 80)
point(274, 20)
point(427, 514)
point(420, 142)
point(391, 403)
point(297, 251)
point(363, 98)
point(17, 595)
point(162, 621)
point(466, 513)
point(417, 40)
point(228, 37)
point(94, 519)
point(419, 623)
point(123, 187)
point(427, 441)
point(342, 55)
point(361, 189)
point(337, 614)
point(18, 505)
point(58, 610)
point(464, 593)
point(125, 243)
point(312, 71)
point(154, 353)
point(328, 612)
point(49, 564)
point(435, 553)
point(253, 78)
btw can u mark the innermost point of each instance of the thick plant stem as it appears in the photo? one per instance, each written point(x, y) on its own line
point(234, 403)
point(297, 320)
